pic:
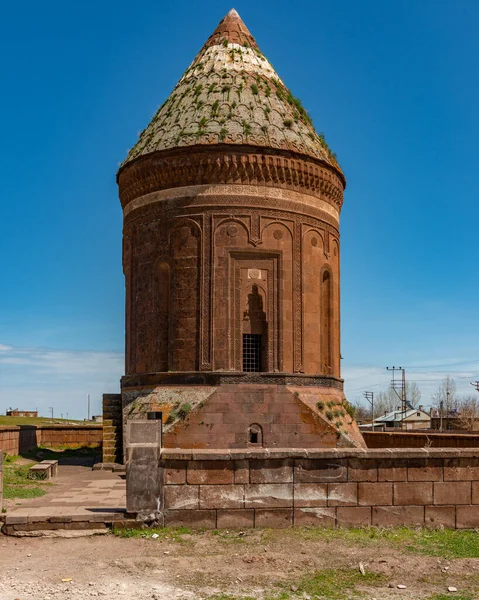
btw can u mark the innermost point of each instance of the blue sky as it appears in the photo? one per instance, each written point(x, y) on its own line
point(393, 85)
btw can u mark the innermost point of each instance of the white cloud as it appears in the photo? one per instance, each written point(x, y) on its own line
point(40, 378)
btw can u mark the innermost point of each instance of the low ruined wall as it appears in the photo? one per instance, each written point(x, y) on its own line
point(15, 440)
point(405, 439)
point(70, 435)
point(2, 455)
point(350, 487)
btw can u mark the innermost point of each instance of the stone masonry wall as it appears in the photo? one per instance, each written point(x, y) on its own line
point(407, 439)
point(112, 429)
point(350, 487)
point(15, 440)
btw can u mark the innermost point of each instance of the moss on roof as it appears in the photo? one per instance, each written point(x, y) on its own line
point(231, 94)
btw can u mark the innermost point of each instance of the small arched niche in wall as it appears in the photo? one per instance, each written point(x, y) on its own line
point(255, 435)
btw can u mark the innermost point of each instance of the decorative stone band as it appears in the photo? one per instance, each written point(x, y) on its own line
point(217, 378)
point(230, 165)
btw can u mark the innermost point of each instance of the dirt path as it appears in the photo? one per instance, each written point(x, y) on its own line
point(226, 566)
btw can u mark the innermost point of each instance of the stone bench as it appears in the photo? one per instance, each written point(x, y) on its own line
point(54, 466)
point(40, 471)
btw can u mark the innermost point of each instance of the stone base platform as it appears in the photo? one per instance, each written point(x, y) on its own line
point(242, 410)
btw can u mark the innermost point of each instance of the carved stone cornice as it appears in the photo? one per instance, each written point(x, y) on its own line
point(230, 165)
point(215, 378)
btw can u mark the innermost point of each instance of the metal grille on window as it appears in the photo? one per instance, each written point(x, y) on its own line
point(252, 352)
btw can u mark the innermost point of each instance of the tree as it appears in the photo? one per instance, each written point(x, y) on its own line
point(445, 394)
point(361, 413)
point(468, 409)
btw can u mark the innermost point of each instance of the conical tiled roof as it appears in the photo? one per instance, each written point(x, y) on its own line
point(232, 95)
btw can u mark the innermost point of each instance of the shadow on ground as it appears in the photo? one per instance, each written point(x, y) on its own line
point(83, 457)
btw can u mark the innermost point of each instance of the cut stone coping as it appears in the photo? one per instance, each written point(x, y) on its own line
point(317, 453)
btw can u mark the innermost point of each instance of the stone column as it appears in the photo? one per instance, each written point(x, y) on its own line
point(143, 477)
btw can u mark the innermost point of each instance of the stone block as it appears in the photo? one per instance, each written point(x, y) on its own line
point(362, 469)
point(354, 516)
point(235, 519)
point(275, 518)
point(440, 516)
point(178, 497)
point(200, 519)
point(413, 493)
point(175, 472)
point(241, 471)
point(271, 471)
point(320, 470)
point(268, 495)
point(375, 494)
point(210, 472)
point(467, 517)
point(143, 432)
point(425, 469)
point(310, 494)
point(392, 469)
point(475, 492)
point(461, 469)
point(342, 494)
point(315, 517)
point(397, 516)
point(452, 492)
point(221, 496)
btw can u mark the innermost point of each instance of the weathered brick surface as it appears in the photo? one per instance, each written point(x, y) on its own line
point(467, 517)
point(375, 494)
point(414, 493)
point(342, 494)
point(186, 518)
point(425, 469)
point(354, 516)
point(395, 516)
point(361, 469)
point(392, 469)
point(271, 471)
point(453, 492)
point(320, 470)
point(182, 497)
point(268, 495)
point(310, 494)
point(210, 472)
point(318, 517)
point(440, 516)
point(222, 496)
point(460, 469)
point(275, 518)
point(235, 519)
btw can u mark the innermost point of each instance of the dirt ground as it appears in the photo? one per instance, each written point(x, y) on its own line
point(224, 566)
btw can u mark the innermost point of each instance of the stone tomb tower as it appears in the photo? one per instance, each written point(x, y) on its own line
point(231, 205)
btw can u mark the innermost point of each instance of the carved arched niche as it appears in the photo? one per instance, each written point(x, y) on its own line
point(312, 260)
point(184, 297)
point(162, 317)
point(326, 320)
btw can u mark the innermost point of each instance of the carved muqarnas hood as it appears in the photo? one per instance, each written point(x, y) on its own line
point(232, 95)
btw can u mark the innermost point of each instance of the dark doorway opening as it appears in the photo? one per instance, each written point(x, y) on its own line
point(252, 352)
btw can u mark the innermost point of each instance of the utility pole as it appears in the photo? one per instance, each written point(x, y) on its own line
point(51, 408)
point(370, 398)
point(396, 385)
point(88, 407)
point(441, 410)
point(475, 384)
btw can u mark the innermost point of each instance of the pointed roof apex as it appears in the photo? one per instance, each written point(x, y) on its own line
point(232, 29)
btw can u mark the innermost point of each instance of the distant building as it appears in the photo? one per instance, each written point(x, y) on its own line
point(14, 412)
point(412, 418)
point(97, 418)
